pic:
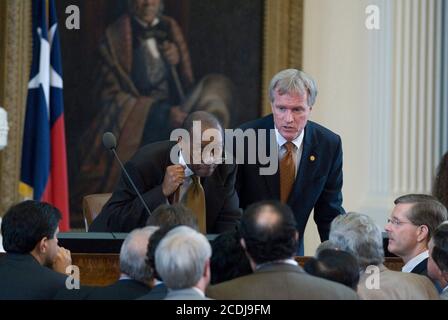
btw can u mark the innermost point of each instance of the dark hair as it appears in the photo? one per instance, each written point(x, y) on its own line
point(171, 215)
point(154, 241)
point(440, 187)
point(228, 260)
point(426, 210)
point(27, 223)
point(440, 249)
point(335, 265)
point(271, 240)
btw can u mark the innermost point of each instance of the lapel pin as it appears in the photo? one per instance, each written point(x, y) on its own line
point(312, 158)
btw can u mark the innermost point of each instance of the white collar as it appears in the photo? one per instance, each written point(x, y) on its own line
point(408, 267)
point(285, 261)
point(445, 289)
point(188, 171)
point(297, 141)
point(144, 24)
point(199, 291)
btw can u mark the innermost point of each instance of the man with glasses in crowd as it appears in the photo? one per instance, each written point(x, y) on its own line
point(413, 221)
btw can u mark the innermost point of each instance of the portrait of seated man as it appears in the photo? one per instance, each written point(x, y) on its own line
point(144, 88)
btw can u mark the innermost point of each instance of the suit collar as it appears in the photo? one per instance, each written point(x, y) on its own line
point(279, 267)
point(308, 161)
point(185, 292)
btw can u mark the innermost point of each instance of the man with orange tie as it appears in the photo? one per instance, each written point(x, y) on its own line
point(309, 171)
point(190, 172)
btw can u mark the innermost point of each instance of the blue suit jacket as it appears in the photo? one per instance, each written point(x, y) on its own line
point(318, 182)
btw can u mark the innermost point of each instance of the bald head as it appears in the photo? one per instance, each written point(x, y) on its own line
point(202, 143)
point(207, 120)
point(269, 231)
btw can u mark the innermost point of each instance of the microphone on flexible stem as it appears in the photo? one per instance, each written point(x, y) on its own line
point(110, 143)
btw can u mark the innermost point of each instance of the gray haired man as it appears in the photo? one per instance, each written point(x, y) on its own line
point(136, 277)
point(309, 156)
point(183, 262)
point(358, 234)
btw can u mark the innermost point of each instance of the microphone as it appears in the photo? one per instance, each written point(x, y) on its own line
point(110, 142)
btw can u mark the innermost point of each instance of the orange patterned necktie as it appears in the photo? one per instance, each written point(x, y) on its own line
point(287, 172)
point(194, 198)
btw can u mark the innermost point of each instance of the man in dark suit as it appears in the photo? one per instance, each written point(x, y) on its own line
point(309, 156)
point(413, 221)
point(136, 277)
point(34, 266)
point(270, 239)
point(165, 172)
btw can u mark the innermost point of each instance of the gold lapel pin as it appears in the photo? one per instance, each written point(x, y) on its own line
point(312, 158)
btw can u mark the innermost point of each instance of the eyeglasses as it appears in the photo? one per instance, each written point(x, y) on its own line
point(397, 222)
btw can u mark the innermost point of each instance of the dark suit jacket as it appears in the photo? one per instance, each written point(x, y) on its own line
point(126, 289)
point(124, 211)
point(318, 182)
point(421, 268)
point(280, 281)
point(121, 290)
point(22, 277)
point(159, 292)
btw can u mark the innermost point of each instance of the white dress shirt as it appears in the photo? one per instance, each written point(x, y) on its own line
point(408, 267)
point(298, 143)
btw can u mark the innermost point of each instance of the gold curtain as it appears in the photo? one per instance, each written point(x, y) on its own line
point(15, 61)
point(282, 45)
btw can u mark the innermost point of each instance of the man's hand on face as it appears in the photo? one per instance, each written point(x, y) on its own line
point(174, 177)
point(62, 260)
point(171, 53)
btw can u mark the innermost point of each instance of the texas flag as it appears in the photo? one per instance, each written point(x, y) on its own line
point(44, 163)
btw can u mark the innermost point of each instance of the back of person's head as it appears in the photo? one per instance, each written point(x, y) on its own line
point(358, 234)
point(293, 81)
point(182, 257)
point(426, 210)
point(440, 187)
point(440, 247)
point(268, 229)
point(335, 265)
point(327, 244)
point(133, 254)
point(228, 260)
point(27, 223)
point(152, 246)
point(166, 216)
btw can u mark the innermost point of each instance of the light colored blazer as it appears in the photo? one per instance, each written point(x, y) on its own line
point(394, 285)
point(280, 282)
point(184, 294)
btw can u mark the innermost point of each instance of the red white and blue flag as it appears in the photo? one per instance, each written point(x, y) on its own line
point(44, 161)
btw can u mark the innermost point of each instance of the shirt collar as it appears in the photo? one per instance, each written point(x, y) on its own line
point(408, 267)
point(144, 24)
point(285, 261)
point(199, 291)
point(188, 171)
point(297, 141)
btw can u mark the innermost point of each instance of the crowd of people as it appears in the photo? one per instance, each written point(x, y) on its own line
point(170, 259)
point(259, 205)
